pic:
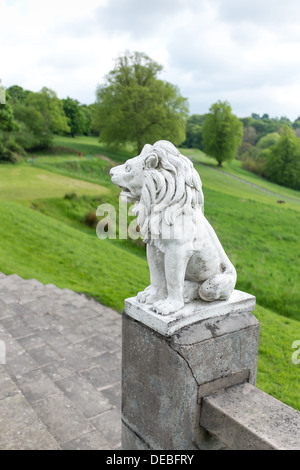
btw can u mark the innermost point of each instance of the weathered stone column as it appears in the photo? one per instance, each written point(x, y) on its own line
point(171, 362)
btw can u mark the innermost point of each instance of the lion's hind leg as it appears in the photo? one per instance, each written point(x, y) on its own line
point(217, 287)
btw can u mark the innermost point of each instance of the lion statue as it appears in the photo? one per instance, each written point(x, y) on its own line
point(185, 257)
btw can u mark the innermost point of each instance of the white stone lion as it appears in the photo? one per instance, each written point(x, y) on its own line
point(185, 257)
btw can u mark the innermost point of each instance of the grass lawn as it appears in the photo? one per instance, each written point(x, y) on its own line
point(43, 236)
point(35, 245)
point(25, 182)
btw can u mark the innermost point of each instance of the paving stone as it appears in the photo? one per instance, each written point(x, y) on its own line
point(63, 367)
point(111, 361)
point(58, 370)
point(17, 359)
point(44, 355)
point(109, 426)
point(8, 299)
point(16, 327)
point(73, 356)
point(113, 394)
point(7, 386)
point(21, 429)
point(85, 397)
point(90, 441)
point(96, 323)
point(61, 418)
point(32, 341)
point(88, 311)
point(73, 335)
point(38, 322)
point(36, 385)
point(100, 378)
point(92, 347)
point(86, 329)
point(18, 310)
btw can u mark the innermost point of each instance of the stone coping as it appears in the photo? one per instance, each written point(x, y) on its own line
point(193, 312)
point(246, 418)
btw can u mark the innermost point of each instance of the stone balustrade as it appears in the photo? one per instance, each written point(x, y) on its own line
point(189, 380)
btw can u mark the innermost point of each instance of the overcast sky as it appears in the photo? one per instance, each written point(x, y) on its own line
point(244, 51)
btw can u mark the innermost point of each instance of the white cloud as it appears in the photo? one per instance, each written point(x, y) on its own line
point(240, 50)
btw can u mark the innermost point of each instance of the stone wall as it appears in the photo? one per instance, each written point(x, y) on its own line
point(189, 377)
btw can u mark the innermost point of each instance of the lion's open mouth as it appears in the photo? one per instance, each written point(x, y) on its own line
point(126, 195)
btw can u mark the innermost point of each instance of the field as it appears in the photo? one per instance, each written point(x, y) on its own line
point(43, 206)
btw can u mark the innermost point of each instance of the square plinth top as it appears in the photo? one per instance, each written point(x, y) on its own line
point(193, 312)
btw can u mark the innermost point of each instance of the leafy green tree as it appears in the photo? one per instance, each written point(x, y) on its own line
point(76, 116)
point(34, 127)
point(7, 122)
point(17, 94)
point(296, 123)
point(39, 116)
point(222, 132)
point(283, 160)
point(268, 140)
point(135, 106)
point(194, 126)
point(51, 107)
point(7, 126)
point(86, 111)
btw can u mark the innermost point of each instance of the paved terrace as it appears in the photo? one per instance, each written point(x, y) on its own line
point(61, 385)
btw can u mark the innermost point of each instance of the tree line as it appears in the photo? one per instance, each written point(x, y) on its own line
point(134, 106)
point(269, 147)
point(29, 120)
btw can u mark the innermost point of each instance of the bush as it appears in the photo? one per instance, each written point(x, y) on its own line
point(8, 156)
point(72, 196)
point(283, 160)
point(268, 140)
point(91, 219)
point(254, 165)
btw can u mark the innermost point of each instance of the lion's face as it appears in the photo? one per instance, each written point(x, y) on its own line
point(130, 176)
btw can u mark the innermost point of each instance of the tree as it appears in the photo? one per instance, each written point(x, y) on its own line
point(86, 110)
point(76, 116)
point(35, 132)
point(194, 125)
point(7, 122)
point(39, 116)
point(222, 132)
point(17, 93)
point(283, 160)
point(7, 126)
point(296, 123)
point(268, 140)
point(51, 107)
point(135, 106)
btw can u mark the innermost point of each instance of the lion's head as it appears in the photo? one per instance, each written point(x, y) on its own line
point(162, 182)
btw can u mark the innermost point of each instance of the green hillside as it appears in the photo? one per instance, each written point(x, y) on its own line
point(43, 235)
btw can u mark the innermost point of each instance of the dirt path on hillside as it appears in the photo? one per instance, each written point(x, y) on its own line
point(282, 197)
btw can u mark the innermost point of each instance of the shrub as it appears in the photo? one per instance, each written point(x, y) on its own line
point(91, 219)
point(283, 160)
point(72, 196)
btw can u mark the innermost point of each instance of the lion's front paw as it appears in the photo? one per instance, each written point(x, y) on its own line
point(148, 296)
point(167, 306)
point(151, 295)
point(142, 296)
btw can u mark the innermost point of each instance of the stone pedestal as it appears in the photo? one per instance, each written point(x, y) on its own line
point(170, 363)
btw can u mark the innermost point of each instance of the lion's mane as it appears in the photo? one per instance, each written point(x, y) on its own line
point(170, 189)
